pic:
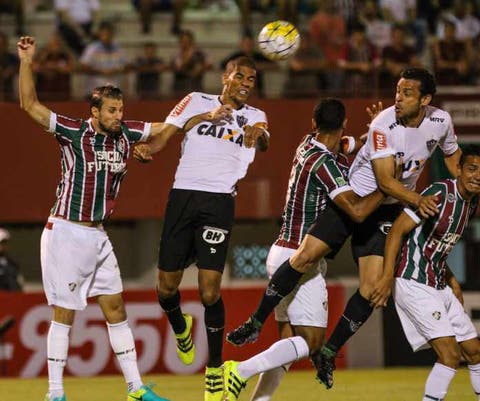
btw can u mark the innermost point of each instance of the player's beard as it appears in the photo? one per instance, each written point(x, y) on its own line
point(109, 131)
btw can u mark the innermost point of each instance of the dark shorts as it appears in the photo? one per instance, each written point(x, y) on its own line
point(333, 227)
point(368, 238)
point(197, 229)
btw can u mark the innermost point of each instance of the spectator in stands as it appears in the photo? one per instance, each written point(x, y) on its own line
point(53, 67)
point(14, 7)
point(450, 58)
point(8, 69)
point(287, 10)
point(247, 48)
point(189, 65)
point(404, 12)
point(328, 31)
point(462, 14)
point(75, 22)
point(10, 277)
point(305, 71)
point(149, 68)
point(104, 61)
point(378, 30)
point(396, 57)
point(359, 60)
point(146, 8)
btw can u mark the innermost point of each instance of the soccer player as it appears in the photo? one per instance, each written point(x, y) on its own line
point(77, 258)
point(318, 173)
point(427, 296)
point(216, 153)
point(409, 131)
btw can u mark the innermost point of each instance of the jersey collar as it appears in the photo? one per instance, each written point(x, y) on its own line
point(318, 144)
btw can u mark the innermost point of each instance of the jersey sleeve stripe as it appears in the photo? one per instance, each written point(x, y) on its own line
point(333, 194)
point(412, 215)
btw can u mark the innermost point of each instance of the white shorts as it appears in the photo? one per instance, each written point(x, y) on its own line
point(77, 263)
point(427, 313)
point(307, 304)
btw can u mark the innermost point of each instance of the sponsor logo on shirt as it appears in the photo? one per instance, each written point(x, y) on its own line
point(107, 160)
point(181, 106)
point(437, 120)
point(340, 181)
point(220, 132)
point(379, 140)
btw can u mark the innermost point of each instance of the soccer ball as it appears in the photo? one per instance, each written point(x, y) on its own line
point(278, 40)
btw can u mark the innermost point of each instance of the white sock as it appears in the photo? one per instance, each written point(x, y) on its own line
point(437, 382)
point(475, 378)
point(280, 353)
point(57, 351)
point(268, 383)
point(123, 344)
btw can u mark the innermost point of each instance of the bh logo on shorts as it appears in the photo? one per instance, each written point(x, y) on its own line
point(213, 235)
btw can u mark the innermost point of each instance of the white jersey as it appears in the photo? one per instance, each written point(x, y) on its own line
point(214, 156)
point(388, 137)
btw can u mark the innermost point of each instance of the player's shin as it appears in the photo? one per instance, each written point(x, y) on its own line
point(215, 324)
point(475, 378)
point(57, 351)
point(438, 382)
point(123, 344)
point(171, 307)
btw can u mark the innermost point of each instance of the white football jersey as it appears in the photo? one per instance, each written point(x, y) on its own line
point(388, 137)
point(214, 156)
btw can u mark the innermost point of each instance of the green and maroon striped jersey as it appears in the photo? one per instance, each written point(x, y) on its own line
point(426, 248)
point(316, 175)
point(93, 166)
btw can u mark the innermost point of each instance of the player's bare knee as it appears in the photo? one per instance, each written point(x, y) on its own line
point(303, 260)
point(450, 357)
point(166, 289)
point(209, 296)
point(313, 337)
point(472, 353)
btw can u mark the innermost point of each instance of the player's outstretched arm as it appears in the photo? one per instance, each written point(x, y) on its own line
point(358, 208)
point(452, 161)
point(384, 169)
point(160, 134)
point(28, 95)
point(401, 227)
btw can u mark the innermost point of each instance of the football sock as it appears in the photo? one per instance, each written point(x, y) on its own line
point(268, 382)
point(215, 324)
point(171, 307)
point(283, 281)
point(356, 313)
point(437, 382)
point(280, 353)
point(57, 351)
point(475, 378)
point(123, 344)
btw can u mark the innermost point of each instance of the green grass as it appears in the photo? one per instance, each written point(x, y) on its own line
point(350, 385)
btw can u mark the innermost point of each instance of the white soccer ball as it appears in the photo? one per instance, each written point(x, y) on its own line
point(278, 40)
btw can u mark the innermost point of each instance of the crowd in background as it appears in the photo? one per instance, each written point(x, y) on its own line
point(348, 47)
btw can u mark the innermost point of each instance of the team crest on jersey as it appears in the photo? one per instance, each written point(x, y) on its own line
point(72, 286)
point(241, 121)
point(431, 144)
point(437, 315)
point(450, 198)
point(120, 145)
point(379, 140)
point(325, 305)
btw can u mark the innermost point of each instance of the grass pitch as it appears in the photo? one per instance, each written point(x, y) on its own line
point(404, 384)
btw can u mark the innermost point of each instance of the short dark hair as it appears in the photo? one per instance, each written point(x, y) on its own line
point(329, 114)
point(240, 61)
point(426, 79)
point(101, 92)
point(469, 150)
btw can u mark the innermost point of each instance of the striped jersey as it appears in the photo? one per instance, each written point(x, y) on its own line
point(388, 137)
point(316, 175)
point(426, 248)
point(93, 166)
point(213, 157)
